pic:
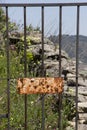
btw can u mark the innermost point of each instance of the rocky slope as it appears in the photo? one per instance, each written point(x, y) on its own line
point(51, 63)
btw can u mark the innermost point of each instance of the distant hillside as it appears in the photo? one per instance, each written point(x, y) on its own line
point(69, 45)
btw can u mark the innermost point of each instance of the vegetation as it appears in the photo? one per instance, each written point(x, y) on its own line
point(16, 67)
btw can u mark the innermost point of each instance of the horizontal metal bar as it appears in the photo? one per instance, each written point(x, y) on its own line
point(3, 115)
point(15, 78)
point(41, 4)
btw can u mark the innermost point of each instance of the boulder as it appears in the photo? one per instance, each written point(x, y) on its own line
point(51, 57)
point(83, 106)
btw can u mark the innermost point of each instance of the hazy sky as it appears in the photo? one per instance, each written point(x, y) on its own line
point(51, 16)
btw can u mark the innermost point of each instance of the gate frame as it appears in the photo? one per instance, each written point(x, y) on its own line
point(42, 5)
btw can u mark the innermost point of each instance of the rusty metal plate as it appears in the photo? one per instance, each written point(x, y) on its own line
point(39, 85)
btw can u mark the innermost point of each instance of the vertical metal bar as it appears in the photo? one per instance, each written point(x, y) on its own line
point(60, 35)
point(8, 70)
point(43, 109)
point(77, 65)
point(42, 41)
point(25, 65)
point(60, 95)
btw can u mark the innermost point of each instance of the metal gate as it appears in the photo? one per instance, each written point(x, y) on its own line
point(8, 78)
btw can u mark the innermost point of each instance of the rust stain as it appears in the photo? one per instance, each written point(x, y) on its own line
point(40, 85)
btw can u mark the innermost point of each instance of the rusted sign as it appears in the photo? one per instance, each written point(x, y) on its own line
point(39, 85)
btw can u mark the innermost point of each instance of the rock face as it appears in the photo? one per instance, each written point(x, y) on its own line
point(51, 57)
